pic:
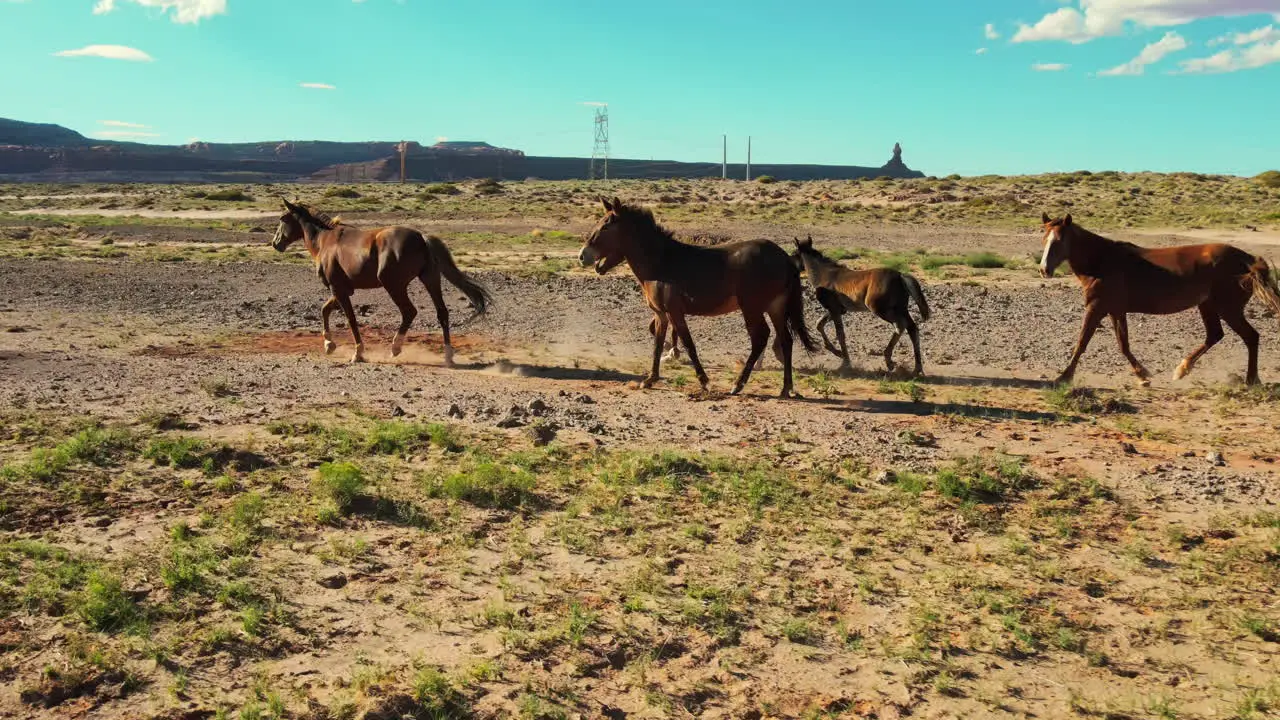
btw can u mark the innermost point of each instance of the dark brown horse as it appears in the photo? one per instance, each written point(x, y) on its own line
point(349, 259)
point(884, 292)
point(679, 279)
point(1120, 278)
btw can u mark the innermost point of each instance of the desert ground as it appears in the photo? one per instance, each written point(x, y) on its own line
point(202, 515)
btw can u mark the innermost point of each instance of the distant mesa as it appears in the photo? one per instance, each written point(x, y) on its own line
point(46, 152)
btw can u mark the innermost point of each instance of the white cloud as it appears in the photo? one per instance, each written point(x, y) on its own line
point(1262, 34)
point(1171, 42)
point(184, 11)
point(317, 86)
point(111, 52)
point(1062, 24)
point(1050, 67)
point(981, 51)
point(594, 104)
point(1251, 57)
point(125, 134)
point(990, 32)
point(122, 124)
point(442, 139)
point(1099, 18)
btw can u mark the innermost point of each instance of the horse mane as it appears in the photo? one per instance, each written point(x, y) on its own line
point(815, 255)
point(1118, 243)
point(321, 219)
point(642, 217)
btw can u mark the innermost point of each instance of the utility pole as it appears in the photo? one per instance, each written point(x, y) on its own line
point(748, 158)
point(404, 149)
point(724, 157)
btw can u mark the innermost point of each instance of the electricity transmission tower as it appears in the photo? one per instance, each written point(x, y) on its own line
point(600, 150)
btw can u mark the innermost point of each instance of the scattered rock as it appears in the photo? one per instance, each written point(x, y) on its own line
point(332, 579)
point(1128, 448)
point(586, 400)
point(537, 407)
point(511, 420)
point(1215, 458)
point(454, 411)
point(542, 433)
point(885, 477)
point(397, 411)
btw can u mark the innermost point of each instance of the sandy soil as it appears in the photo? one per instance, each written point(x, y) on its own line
point(232, 349)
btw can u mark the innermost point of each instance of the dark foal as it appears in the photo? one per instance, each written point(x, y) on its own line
point(884, 292)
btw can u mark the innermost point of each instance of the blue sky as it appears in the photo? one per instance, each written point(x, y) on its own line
point(1005, 86)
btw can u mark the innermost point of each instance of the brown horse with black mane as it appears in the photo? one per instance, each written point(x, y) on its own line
point(349, 259)
point(679, 279)
point(885, 292)
point(1120, 278)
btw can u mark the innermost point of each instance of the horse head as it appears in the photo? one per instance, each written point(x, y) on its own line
point(1057, 243)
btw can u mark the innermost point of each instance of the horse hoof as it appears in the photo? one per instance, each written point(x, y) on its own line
point(736, 390)
point(1144, 382)
point(395, 351)
point(1064, 379)
point(646, 383)
point(329, 347)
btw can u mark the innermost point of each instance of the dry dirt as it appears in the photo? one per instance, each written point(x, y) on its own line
point(974, 543)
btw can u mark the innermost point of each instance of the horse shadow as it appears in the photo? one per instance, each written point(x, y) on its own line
point(552, 372)
point(933, 379)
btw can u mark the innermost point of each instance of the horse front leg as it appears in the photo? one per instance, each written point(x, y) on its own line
point(350, 312)
point(1120, 323)
point(659, 335)
point(680, 330)
point(325, 311)
point(1093, 314)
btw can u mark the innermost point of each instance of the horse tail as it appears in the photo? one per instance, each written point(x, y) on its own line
point(1264, 284)
point(917, 294)
point(795, 313)
point(476, 293)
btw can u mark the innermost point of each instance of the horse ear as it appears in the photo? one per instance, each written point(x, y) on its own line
point(608, 207)
point(1044, 218)
point(1066, 221)
point(617, 204)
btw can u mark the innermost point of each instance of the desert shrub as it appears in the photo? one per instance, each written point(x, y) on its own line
point(1270, 179)
point(229, 195)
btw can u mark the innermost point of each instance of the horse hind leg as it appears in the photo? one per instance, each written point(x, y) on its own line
point(782, 346)
point(914, 333)
point(407, 313)
point(758, 330)
point(431, 280)
point(1236, 320)
point(1212, 336)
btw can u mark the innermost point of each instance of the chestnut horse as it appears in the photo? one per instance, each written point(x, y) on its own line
point(678, 279)
point(885, 292)
point(349, 259)
point(1120, 278)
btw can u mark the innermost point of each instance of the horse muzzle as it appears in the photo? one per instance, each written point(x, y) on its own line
point(587, 256)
